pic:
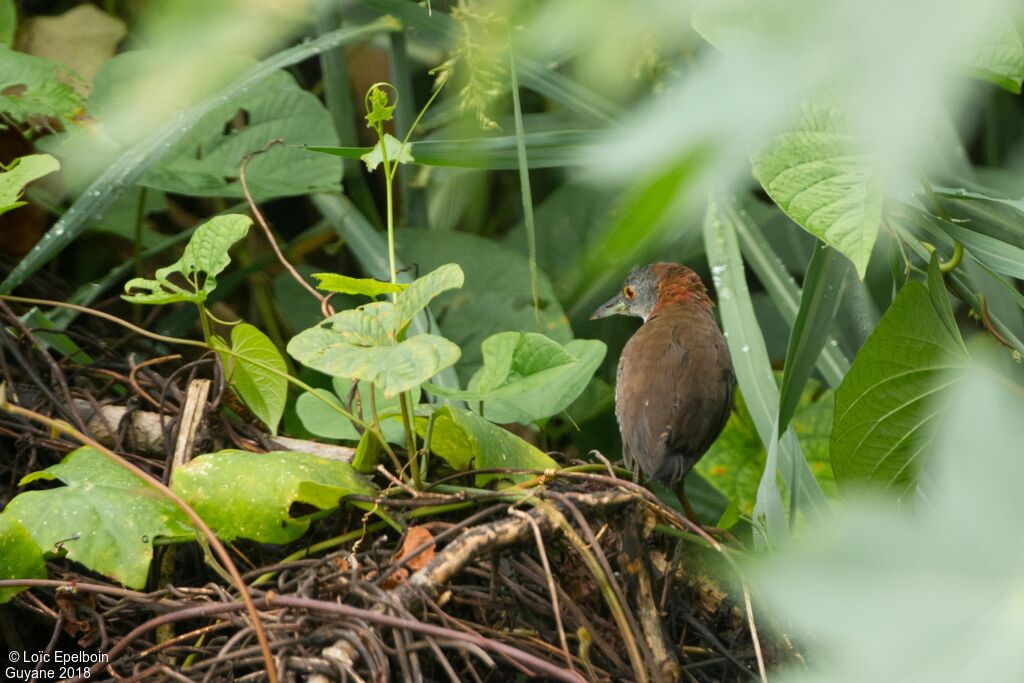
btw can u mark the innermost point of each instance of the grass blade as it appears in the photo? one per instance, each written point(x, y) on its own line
point(131, 166)
point(754, 371)
point(784, 292)
point(819, 303)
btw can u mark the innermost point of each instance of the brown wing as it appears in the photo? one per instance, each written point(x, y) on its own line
point(674, 391)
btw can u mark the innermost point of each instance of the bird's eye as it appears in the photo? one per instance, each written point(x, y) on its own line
point(629, 292)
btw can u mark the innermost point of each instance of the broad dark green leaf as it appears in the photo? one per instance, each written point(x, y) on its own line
point(815, 173)
point(466, 440)
point(250, 495)
point(206, 161)
point(105, 517)
point(896, 392)
point(134, 162)
point(819, 303)
point(256, 370)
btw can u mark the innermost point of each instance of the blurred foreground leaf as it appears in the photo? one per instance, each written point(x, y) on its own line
point(928, 592)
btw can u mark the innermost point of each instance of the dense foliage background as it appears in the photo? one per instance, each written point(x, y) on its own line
point(845, 176)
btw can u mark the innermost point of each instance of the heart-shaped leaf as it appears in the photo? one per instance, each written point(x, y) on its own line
point(527, 376)
point(322, 420)
point(205, 256)
point(892, 399)
point(817, 176)
point(419, 294)
point(250, 495)
point(256, 370)
point(106, 518)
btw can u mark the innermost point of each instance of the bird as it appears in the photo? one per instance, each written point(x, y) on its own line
point(675, 380)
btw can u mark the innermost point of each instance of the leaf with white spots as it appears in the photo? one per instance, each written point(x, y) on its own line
point(105, 518)
point(255, 495)
point(20, 556)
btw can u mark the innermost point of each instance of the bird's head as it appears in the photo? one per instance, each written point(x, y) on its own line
point(648, 289)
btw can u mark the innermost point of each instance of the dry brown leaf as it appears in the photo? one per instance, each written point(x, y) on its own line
point(414, 538)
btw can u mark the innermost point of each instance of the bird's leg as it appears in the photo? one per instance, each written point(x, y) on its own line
point(687, 508)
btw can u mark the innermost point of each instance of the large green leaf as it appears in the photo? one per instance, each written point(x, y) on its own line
point(106, 518)
point(466, 440)
point(33, 89)
point(256, 370)
point(205, 256)
point(20, 173)
point(918, 593)
point(394, 368)
point(20, 555)
point(323, 420)
point(815, 173)
point(206, 161)
point(250, 495)
point(895, 394)
point(527, 377)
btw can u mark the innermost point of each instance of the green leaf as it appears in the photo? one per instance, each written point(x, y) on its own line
point(135, 161)
point(885, 592)
point(422, 290)
point(397, 152)
point(495, 296)
point(754, 372)
point(106, 518)
point(33, 89)
point(258, 373)
point(320, 419)
point(20, 173)
point(206, 162)
point(554, 149)
point(20, 556)
point(819, 303)
point(343, 284)
point(205, 256)
point(1000, 58)
point(250, 495)
point(379, 110)
point(466, 440)
point(527, 377)
point(394, 368)
point(894, 396)
point(815, 174)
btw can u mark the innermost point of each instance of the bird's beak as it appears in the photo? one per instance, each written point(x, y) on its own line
point(614, 306)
